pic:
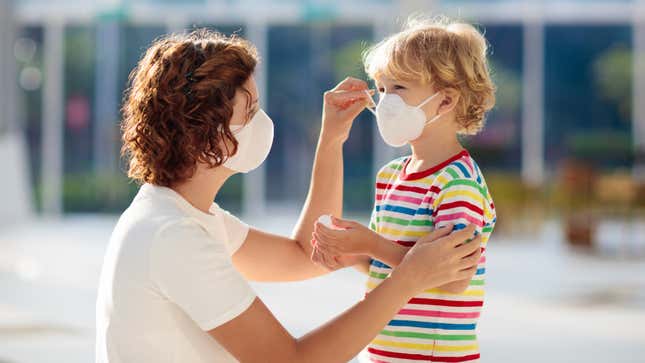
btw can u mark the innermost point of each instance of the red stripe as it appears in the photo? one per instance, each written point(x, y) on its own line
point(432, 358)
point(403, 188)
point(460, 203)
point(424, 301)
point(434, 169)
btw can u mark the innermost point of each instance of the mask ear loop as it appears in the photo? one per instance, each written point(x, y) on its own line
point(423, 104)
point(369, 96)
point(428, 100)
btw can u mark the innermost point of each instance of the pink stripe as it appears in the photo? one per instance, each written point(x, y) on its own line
point(470, 166)
point(405, 199)
point(461, 215)
point(482, 260)
point(439, 314)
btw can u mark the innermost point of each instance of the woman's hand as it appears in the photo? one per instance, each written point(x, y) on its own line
point(352, 238)
point(341, 106)
point(450, 257)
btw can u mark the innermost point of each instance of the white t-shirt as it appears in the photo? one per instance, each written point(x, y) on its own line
point(167, 279)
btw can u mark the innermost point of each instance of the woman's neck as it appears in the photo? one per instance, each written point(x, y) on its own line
point(432, 148)
point(202, 188)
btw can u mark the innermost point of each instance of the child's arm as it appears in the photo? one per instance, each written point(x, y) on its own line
point(355, 238)
point(460, 203)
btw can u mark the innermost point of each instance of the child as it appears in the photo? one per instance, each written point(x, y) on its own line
point(434, 85)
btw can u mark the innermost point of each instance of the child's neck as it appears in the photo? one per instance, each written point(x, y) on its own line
point(431, 150)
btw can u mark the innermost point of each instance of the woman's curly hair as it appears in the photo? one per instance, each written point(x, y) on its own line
point(179, 104)
point(444, 53)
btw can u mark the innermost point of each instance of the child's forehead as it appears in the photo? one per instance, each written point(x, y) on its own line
point(387, 79)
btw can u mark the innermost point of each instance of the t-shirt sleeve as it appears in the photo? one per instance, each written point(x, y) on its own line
point(460, 201)
point(236, 230)
point(196, 273)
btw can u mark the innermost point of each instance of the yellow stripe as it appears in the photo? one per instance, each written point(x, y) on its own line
point(465, 293)
point(420, 346)
point(399, 232)
point(385, 175)
point(442, 179)
point(475, 197)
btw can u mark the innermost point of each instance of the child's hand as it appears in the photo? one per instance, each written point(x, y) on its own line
point(334, 262)
point(352, 239)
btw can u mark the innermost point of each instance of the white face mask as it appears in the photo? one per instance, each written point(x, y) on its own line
point(254, 142)
point(399, 122)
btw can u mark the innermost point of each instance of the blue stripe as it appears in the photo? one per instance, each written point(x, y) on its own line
point(431, 325)
point(404, 210)
point(463, 169)
point(459, 227)
point(397, 209)
point(480, 271)
point(379, 264)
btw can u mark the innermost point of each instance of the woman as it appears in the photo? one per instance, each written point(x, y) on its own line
point(174, 285)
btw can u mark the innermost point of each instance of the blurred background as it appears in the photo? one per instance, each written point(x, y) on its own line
point(563, 153)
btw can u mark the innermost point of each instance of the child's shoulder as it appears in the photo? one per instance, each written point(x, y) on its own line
point(463, 171)
point(462, 168)
point(393, 166)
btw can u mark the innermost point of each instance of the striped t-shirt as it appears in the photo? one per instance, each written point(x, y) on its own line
point(434, 326)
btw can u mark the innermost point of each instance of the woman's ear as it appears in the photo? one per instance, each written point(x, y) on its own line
point(450, 99)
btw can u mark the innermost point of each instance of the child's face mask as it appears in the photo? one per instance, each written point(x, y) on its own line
point(399, 122)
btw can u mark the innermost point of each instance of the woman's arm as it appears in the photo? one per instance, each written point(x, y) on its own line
point(256, 336)
point(268, 257)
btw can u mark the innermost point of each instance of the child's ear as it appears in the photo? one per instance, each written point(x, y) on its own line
point(450, 99)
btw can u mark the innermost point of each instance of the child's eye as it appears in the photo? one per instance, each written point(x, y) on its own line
point(398, 86)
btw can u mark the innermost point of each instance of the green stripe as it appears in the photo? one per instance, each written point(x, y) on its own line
point(404, 222)
point(394, 220)
point(410, 334)
point(422, 222)
point(476, 282)
point(487, 229)
point(466, 182)
point(452, 173)
point(378, 275)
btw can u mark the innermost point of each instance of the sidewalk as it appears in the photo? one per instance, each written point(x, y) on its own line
point(543, 303)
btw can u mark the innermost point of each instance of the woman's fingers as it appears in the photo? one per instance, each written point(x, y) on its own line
point(468, 248)
point(470, 260)
point(347, 97)
point(351, 83)
point(463, 235)
point(437, 233)
point(467, 273)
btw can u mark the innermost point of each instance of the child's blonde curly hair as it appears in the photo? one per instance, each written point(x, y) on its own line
point(444, 53)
